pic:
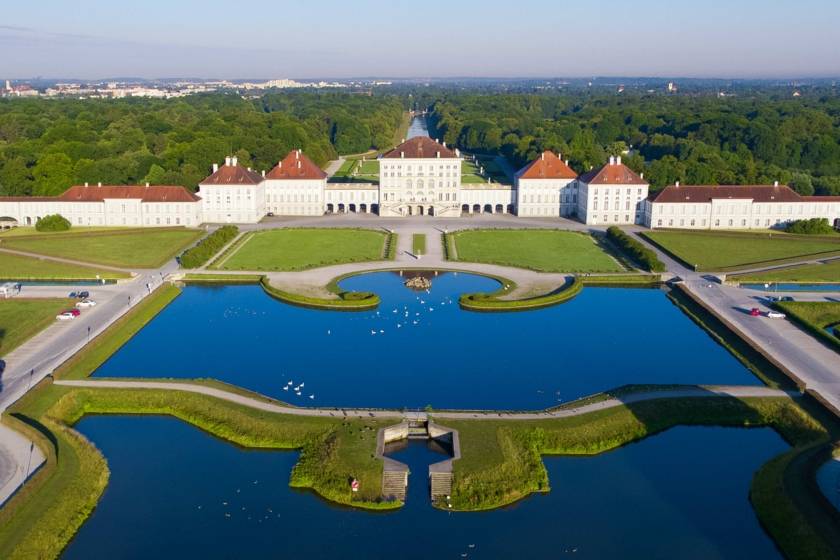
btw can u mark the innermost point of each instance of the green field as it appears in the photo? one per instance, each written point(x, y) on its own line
point(299, 249)
point(21, 319)
point(541, 250)
point(829, 272)
point(470, 172)
point(721, 251)
point(135, 248)
point(17, 267)
point(818, 317)
point(418, 244)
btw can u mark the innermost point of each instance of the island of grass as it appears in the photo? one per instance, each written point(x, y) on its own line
point(23, 318)
point(725, 251)
point(126, 248)
point(19, 267)
point(540, 250)
point(820, 318)
point(301, 249)
point(418, 243)
point(804, 274)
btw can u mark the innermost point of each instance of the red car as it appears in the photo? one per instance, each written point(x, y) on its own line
point(74, 311)
point(755, 312)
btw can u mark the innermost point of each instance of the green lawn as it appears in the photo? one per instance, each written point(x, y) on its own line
point(369, 167)
point(806, 273)
point(816, 317)
point(299, 249)
point(541, 250)
point(21, 319)
point(135, 248)
point(721, 251)
point(16, 267)
point(418, 243)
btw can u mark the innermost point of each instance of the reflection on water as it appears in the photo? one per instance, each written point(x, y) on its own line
point(418, 127)
point(421, 349)
point(176, 492)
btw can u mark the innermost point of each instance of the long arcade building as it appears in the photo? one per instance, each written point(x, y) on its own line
point(423, 177)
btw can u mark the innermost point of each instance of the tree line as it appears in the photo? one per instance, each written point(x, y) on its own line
point(46, 145)
point(696, 139)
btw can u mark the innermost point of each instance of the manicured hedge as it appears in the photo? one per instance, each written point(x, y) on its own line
point(53, 222)
point(207, 247)
point(812, 226)
point(491, 302)
point(347, 301)
point(638, 252)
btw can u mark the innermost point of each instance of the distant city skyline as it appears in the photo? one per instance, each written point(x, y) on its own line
point(533, 38)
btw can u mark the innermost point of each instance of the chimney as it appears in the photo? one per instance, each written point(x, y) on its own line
point(542, 156)
point(618, 160)
point(612, 160)
point(227, 161)
point(215, 167)
point(99, 184)
point(402, 154)
point(280, 164)
point(642, 175)
point(298, 164)
point(147, 185)
point(86, 184)
point(438, 154)
point(559, 156)
point(775, 183)
point(297, 154)
point(567, 161)
point(233, 161)
point(263, 172)
point(677, 184)
point(249, 169)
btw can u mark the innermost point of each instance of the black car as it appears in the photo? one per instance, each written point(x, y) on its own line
point(787, 298)
point(83, 295)
point(73, 295)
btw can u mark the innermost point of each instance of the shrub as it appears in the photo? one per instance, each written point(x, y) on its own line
point(207, 247)
point(638, 252)
point(812, 226)
point(53, 222)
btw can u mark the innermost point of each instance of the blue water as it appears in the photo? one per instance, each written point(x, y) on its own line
point(602, 339)
point(418, 127)
point(794, 287)
point(681, 494)
point(828, 479)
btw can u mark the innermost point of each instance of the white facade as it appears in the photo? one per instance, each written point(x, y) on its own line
point(611, 195)
point(232, 195)
point(736, 207)
point(351, 197)
point(487, 198)
point(303, 197)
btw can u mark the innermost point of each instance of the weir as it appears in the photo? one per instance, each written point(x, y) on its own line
point(395, 473)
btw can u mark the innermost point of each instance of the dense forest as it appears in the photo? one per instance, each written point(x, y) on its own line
point(48, 145)
point(696, 139)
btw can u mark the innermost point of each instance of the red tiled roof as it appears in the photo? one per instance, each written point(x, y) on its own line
point(232, 175)
point(420, 147)
point(547, 166)
point(612, 173)
point(705, 193)
point(151, 193)
point(296, 166)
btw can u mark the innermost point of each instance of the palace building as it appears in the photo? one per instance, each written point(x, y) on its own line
point(422, 177)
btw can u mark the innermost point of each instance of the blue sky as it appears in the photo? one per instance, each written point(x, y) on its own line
point(433, 38)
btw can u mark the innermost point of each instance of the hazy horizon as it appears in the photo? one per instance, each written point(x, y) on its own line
point(536, 39)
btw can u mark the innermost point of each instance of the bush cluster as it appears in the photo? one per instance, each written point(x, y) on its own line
point(812, 226)
point(207, 247)
point(52, 222)
point(638, 252)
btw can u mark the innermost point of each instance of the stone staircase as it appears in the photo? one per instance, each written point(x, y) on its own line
point(441, 483)
point(394, 480)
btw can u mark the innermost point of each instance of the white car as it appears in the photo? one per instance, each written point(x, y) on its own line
point(66, 316)
point(775, 315)
point(86, 303)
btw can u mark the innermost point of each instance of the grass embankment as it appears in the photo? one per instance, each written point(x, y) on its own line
point(805, 274)
point(205, 249)
point(130, 248)
point(344, 301)
point(730, 251)
point(40, 521)
point(491, 301)
point(817, 317)
point(540, 250)
point(21, 319)
point(19, 267)
point(501, 459)
point(418, 243)
point(301, 249)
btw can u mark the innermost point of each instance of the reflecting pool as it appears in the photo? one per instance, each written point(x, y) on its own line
point(176, 492)
point(420, 348)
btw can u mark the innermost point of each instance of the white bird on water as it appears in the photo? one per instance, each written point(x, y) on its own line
point(286, 388)
point(312, 396)
point(302, 384)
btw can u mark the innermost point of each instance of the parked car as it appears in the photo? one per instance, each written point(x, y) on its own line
point(270, 214)
point(787, 298)
point(86, 303)
point(775, 315)
point(774, 298)
point(65, 316)
point(83, 295)
point(74, 311)
point(73, 295)
point(755, 312)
